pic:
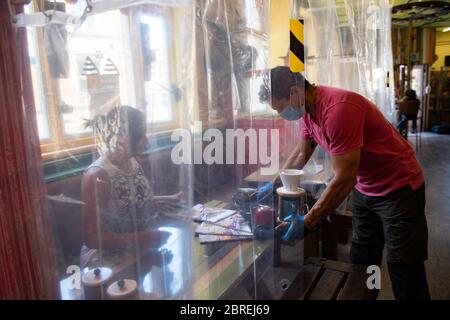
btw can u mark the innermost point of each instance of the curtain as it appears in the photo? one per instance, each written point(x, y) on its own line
point(27, 266)
point(348, 45)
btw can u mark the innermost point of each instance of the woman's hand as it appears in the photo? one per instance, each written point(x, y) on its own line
point(170, 198)
point(175, 197)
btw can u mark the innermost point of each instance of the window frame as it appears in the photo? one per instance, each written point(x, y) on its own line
point(137, 63)
point(268, 112)
point(59, 144)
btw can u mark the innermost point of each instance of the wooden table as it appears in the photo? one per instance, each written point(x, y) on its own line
point(256, 177)
point(194, 271)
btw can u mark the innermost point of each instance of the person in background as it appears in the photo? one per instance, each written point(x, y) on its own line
point(408, 108)
point(119, 204)
point(369, 157)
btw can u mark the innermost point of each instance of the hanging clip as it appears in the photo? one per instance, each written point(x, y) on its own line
point(49, 16)
point(86, 11)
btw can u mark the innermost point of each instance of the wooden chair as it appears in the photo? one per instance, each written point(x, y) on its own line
point(67, 232)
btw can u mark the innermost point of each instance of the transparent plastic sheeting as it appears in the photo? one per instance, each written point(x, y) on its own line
point(348, 46)
point(124, 183)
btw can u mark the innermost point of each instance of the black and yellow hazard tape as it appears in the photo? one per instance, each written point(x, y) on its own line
point(297, 48)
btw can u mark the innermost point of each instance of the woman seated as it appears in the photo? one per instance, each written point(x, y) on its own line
point(408, 109)
point(119, 203)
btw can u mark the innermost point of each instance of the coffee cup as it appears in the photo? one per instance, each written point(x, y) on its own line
point(291, 178)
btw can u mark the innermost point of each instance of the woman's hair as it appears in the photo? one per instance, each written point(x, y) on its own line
point(120, 123)
point(410, 94)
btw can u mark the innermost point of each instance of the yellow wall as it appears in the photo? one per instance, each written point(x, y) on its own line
point(279, 31)
point(442, 49)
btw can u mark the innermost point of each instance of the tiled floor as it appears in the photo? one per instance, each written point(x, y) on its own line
point(434, 155)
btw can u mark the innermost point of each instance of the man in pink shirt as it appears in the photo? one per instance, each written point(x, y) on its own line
point(369, 157)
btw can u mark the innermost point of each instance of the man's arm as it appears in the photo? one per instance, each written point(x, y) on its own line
point(300, 155)
point(345, 169)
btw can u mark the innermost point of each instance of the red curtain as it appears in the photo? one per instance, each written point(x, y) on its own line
point(27, 255)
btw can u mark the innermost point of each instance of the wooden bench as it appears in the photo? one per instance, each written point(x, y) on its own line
point(333, 280)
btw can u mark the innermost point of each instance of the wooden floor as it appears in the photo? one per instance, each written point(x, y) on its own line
point(434, 156)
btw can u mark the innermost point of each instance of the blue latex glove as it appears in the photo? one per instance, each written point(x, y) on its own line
point(264, 191)
point(297, 229)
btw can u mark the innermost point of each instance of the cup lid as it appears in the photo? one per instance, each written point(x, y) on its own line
point(96, 277)
point(122, 288)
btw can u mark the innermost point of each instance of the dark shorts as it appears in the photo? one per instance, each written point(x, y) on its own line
point(397, 220)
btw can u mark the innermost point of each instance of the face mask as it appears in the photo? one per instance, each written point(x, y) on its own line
point(291, 114)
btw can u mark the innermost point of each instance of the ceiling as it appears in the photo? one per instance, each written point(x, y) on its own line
point(426, 13)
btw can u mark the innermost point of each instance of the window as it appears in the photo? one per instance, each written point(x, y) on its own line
point(257, 40)
point(256, 80)
point(98, 77)
point(254, 14)
point(38, 90)
point(155, 43)
point(80, 72)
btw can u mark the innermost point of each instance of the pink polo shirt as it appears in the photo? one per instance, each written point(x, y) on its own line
point(346, 121)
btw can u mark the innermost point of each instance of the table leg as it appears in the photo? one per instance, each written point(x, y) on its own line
point(276, 252)
point(329, 240)
point(311, 245)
